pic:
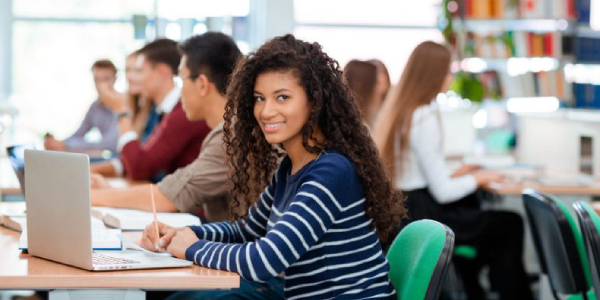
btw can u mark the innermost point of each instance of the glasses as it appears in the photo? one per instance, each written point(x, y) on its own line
point(104, 79)
point(184, 77)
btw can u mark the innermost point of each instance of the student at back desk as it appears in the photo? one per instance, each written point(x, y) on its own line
point(175, 142)
point(205, 69)
point(408, 134)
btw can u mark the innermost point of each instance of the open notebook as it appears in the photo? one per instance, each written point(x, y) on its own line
point(12, 215)
point(136, 220)
point(102, 237)
point(16, 223)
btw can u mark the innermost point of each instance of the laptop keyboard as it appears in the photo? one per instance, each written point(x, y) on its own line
point(101, 259)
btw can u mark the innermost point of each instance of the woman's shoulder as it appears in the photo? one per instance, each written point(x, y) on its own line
point(334, 168)
point(336, 174)
point(424, 112)
point(330, 165)
point(334, 160)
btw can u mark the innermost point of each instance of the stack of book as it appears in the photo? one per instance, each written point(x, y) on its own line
point(517, 44)
point(526, 9)
point(587, 95)
point(539, 84)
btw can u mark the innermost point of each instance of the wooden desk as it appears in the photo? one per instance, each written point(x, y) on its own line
point(512, 188)
point(23, 271)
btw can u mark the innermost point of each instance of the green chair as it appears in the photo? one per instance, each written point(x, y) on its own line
point(589, 222)
point(419, 259)
point(559, 246)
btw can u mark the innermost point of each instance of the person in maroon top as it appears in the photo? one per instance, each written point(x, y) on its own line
point(175, 142)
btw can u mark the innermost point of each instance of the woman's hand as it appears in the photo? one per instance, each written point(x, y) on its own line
point(158, 244)
point(50, 143)
point(182, 240)
point(484, 178)
point(115, 101)
point(464, 170)
point(98, 181)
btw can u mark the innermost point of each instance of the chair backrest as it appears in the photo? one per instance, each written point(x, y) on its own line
point(558, 243)
point(589, 222)
point(419, 259)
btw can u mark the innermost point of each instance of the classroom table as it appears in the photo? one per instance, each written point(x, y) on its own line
point(25, 272)
point(514, 188)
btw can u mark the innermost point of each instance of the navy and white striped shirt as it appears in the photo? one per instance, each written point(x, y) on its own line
point(312, 226)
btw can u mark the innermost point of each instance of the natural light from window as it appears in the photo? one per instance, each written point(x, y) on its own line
point(383, 29)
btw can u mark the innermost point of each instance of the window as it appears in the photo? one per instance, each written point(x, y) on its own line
point(52, 80)
point(82, 9)
point(353, 29)
point(55, 43)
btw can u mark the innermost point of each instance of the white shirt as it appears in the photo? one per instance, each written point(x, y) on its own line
point(169, 102)
point(425, 164)
point(165, 107)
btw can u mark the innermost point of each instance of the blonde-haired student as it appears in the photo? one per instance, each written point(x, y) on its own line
point(409, 136)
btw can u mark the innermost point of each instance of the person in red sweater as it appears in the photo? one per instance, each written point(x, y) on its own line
point(175, 142)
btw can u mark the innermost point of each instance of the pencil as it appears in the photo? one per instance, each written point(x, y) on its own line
point(154, 212)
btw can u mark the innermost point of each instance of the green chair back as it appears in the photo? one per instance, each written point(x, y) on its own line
point(465, 251)
point(419, 259)
point(558, 243)
point(589, 222)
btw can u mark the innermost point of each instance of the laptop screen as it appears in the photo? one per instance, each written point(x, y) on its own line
point(16, 155)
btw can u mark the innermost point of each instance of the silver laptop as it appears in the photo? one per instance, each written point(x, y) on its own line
point(58, 216)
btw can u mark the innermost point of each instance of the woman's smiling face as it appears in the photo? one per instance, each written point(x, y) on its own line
point(281, 107)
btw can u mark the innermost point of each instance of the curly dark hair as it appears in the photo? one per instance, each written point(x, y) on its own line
point(252, 160)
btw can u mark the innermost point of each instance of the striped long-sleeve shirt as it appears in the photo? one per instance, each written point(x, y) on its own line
point(312, 226)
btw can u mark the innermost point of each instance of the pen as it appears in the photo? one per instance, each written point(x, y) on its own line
point(154, 212)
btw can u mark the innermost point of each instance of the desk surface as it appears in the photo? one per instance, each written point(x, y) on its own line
point(22, 271)
point(517, 188)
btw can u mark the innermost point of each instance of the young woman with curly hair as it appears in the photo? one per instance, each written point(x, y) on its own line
point(318, 216)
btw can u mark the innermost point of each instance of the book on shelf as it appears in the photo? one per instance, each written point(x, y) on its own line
point(587, 95)
point(490, 80)
point(538, 84)
point(583, 11)
point(520, 44)
point(587, 49)
point(526, 9)
point(491, 9)
point(136, 220)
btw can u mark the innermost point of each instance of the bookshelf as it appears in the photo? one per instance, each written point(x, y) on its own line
point(538, 25)
point(519, 9)
point(586, 65)
point(529, 48)
point(520, 49)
